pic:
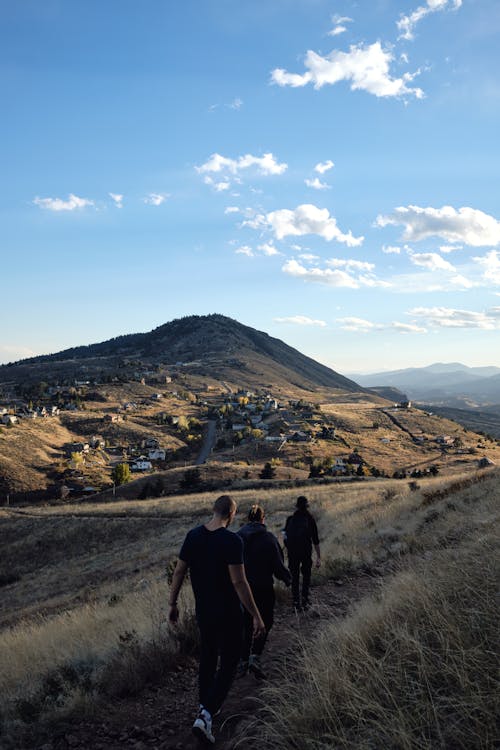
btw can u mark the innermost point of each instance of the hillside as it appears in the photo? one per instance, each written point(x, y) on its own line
point(208, 345)
point(86, 644)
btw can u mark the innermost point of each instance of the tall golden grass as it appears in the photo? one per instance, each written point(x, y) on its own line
point(120, 640)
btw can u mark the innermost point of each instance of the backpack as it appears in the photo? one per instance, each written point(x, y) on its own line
point(298, 534)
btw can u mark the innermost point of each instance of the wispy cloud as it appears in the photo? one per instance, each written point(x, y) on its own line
point(360, 325)
point(303, 220)
point(58, 204)
point(245, 250)
point(156, 199)
point(231, 210)
point(316, 184)
point(391, 249)
point(236, 104)
point(406, 24)
point(348, 276)
point(466, 225)
point(338, 22)
point(267, 248)
point(432, 261)
point(117, 199)
point(324, 166)
point(446, 317)
point(366, 67)
point(301, 320)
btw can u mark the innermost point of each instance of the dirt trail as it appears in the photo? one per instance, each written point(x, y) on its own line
point(160, 718)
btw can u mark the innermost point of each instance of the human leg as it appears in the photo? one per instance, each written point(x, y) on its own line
point(306, 579)
point(230, 634)
point(294, 568)
point(208, 660)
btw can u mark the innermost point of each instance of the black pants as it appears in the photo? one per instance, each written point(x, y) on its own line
point(264, 599)
point(220, 643)
point(298, 564)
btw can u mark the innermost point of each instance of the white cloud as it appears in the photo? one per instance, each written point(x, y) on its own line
point(231, 210)
point(266, 165)
point(236, 104)
point(245, 250)
point(432, 261)
point(445, 317)
point(360, 325)
point(309, 256)
point(467, 225)
point(406, 24)
point(324, 166)
point(491, 264)
point(156, 199)
point(301, 320)
point(460, 281)
point(336, 277)
point(351, 265)
point(338, 22)
point(449, 248)
point(316, 184)
point(58, 204)
point(366, 67)
point(391, 249)
point(303, 220)
point(268, 249)
point(117, 199)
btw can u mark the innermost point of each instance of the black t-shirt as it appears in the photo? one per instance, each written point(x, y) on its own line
point(208, 554)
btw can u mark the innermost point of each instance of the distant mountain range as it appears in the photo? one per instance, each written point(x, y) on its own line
point(451, 384)
point(210, 345)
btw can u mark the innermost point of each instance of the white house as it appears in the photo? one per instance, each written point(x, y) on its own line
point(141, 465)
point(9, 419)
point(157, 454)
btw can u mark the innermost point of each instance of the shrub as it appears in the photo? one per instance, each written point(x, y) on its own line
point(121, 474)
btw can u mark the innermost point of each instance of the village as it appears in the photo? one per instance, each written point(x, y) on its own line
point(153, 419)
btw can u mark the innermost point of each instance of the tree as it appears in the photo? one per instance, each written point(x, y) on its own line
point(121, 474)
point(268, 472)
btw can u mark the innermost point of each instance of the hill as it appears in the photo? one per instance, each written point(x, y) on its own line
point(449, 384)
point(210, 345)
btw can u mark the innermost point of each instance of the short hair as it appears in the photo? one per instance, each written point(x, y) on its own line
point(302, 502)
point(224, 506)
point(256, 514)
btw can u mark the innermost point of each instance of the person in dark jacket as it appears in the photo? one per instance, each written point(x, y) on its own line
point(301, 533)
point(263, 559)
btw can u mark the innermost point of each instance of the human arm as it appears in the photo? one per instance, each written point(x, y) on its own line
point(279, 569)
point(177, 580)
point(315, 541)
point(242, 588)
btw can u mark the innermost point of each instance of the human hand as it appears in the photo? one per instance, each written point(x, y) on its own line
point(173, 614)
point(259, 629)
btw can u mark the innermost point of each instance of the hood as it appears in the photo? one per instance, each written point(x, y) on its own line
point(252, 529)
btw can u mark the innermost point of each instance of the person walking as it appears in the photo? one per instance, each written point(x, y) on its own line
point(214, 557)
point(301, 534)
point(263, 560)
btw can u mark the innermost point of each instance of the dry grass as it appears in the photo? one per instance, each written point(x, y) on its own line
point(100, 571)
point(415, 668)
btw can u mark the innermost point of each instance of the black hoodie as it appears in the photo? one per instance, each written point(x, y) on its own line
point(262, 555)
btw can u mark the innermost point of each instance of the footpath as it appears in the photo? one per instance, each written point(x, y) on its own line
point(160, 718)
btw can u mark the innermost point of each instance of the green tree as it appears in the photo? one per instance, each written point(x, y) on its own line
point(121, 474)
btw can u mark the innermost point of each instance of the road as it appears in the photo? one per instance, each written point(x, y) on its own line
point(208, 442)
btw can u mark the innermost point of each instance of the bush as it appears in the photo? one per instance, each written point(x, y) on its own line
point(121, 474)
point(268, 472)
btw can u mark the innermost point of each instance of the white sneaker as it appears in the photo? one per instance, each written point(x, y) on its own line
point(202, 727)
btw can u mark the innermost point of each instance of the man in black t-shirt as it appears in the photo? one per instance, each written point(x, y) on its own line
point(301, 534)
point(214, 557)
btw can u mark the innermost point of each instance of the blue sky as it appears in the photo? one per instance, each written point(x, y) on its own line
point(323, 171)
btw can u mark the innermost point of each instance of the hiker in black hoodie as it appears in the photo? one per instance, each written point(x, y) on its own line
point(301, 534)
point(263, 560)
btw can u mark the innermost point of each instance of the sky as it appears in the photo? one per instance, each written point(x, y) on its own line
point(325, 171)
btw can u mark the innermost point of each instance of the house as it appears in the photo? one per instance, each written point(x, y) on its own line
point(299, 436)
point(355, 459)
point(238, 427)
point(141, 464)
point(30, 414)
point(9, 419)
point(54, 411)
point(150, 442)
point(339, 465)
point(97, 441)
point(112, 418)
point(156, 397)
point(77, 448)
point(274, 438)
point(444, 440)
point(158, 454)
